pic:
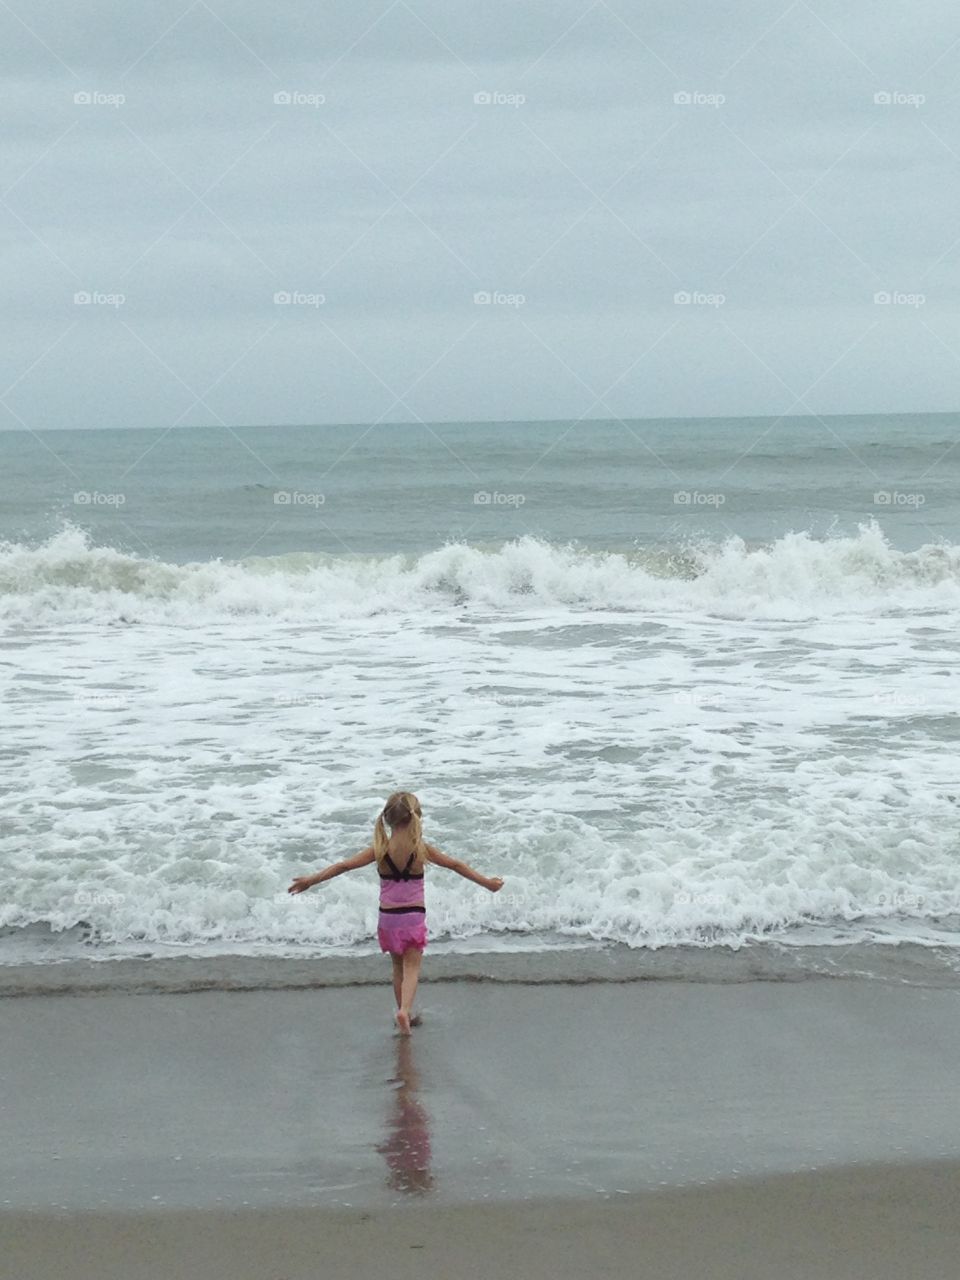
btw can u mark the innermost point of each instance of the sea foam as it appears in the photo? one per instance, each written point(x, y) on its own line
point(793, 577)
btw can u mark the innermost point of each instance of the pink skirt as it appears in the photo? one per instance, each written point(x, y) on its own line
point(399, 931)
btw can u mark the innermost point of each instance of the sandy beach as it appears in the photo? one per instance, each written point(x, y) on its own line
point(848, 1224)
point(799, 1129)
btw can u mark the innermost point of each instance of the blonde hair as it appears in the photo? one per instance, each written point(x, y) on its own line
point(401, 810)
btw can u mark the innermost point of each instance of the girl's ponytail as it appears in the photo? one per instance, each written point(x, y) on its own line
point(416, 827)
point(402, 809)
point(379, 839)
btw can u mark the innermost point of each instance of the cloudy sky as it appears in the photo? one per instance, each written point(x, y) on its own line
point(369, 211)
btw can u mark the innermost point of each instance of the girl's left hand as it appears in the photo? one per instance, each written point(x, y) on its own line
point(300, 884)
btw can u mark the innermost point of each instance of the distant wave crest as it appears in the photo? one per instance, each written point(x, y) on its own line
point(68, 577)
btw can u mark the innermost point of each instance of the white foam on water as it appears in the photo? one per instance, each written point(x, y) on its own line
point(649, 749)
point(795, 577)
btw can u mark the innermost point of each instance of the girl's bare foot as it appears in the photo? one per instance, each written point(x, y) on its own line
point(415, 1020)
point(403, 1022)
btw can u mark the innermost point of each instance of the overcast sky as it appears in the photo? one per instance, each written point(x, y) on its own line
point(777, 194)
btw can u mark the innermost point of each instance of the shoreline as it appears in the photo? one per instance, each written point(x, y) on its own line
point(903, 963)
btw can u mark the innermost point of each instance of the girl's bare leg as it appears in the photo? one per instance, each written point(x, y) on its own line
point(397, 976)
point(408, 988)
point(398, 987)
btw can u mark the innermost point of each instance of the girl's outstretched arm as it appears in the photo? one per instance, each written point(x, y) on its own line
point(493, 883)
point(363, 859)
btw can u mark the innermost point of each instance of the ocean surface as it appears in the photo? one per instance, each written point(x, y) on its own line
point(686, 685)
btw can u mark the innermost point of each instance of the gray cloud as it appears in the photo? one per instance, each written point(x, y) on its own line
point(782, 187)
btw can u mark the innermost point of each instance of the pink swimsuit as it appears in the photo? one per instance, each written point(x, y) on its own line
point(403, 922)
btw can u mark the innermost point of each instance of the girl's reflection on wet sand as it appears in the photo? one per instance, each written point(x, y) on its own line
point(406, 1148)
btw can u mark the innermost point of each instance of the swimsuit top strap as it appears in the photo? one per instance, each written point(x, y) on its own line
point(406, 873)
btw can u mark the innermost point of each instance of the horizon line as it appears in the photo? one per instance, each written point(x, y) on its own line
point(492, 422)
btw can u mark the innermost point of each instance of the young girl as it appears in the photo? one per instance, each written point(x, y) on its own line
point(400, 857)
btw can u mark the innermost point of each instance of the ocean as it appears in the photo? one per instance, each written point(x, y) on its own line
point(690, 687)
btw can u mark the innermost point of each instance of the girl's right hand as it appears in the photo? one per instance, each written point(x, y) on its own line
point(494, 884)
point(301, 883)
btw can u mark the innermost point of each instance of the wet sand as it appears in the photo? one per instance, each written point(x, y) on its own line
point(709, 1129)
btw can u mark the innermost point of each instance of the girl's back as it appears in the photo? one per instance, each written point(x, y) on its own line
point(401, 877)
